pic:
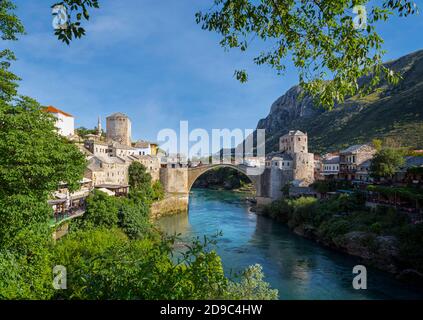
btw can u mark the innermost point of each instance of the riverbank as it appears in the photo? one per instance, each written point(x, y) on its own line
point(297, 267)
point(381, 238)
point(171, 204)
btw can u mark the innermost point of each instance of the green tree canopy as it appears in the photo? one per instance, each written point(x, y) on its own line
point(34, 158)
point(386, 162)
point(326, 39)
point(138, 176)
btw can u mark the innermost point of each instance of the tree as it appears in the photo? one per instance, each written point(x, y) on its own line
point(252, 286)
point(139, 178)
point(10, 27)
point(116, 267)
point(322, 37)
point(134, 219)
point(34, 157)
point(386, 163)
point(102, 210)
point(158, 190)
point(69, 15)
point(377, 144)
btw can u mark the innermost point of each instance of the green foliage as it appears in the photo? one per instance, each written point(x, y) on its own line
point(158, 190)
point(411, 248)
point(377, 144)
point(252, 286)
point(319, 36)
point(25, 265)
point(8, 80)
point(118, 268)
point(33, 157)
point(333, 218)
point(404, 192)
point(225, 177)
point(386, 162)
point(83, 132)
point(134, 219)
point(10, 25)
point(18, 212)
point(77, 11)
point(325, 186)
point(102, 210)
point(139, 178)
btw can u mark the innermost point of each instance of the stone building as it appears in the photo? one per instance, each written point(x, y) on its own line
point(293, 165)
point(144, 148)
point(118, 128)
point(103, 169)
point(295, 144)
point(352, 158)
point(117, 149)
point(330, 164)
point(152, 165)
point(97, 147)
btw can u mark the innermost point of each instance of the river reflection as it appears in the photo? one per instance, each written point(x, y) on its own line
point(298, 268)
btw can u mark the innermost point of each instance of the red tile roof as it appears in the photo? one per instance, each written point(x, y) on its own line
point(52, 109)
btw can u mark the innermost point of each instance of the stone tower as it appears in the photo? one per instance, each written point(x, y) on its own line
point(118, 128)
point(294, 142)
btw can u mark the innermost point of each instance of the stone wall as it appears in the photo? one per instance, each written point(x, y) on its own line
point(172, 204)
point(119, 129)
point(304, 167)
point(174, 180)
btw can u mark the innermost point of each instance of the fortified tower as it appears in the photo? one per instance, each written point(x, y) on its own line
point(295, 144)
point(118, 128)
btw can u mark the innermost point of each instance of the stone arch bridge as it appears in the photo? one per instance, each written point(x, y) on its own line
point(178, 182)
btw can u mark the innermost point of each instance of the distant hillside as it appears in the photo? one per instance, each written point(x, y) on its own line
point(395, 112)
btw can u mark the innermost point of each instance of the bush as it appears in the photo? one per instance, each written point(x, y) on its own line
point(116, 267)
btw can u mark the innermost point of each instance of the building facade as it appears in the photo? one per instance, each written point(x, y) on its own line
point(352, 158)
point(295, 144)
point(65, 122)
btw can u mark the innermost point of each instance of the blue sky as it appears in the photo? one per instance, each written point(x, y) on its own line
point(150, 60)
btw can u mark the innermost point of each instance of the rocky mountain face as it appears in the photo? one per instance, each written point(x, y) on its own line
point(394, 112)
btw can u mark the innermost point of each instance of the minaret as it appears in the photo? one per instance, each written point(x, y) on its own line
point(99, 131)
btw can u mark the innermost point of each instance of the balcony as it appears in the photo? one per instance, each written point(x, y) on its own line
point(65, 215)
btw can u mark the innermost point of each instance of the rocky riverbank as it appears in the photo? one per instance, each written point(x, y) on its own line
point(172, 204)
point(379, 245)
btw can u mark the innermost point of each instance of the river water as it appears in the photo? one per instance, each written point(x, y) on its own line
point(297, 267)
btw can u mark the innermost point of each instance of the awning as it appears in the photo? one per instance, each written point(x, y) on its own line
point(107, 191)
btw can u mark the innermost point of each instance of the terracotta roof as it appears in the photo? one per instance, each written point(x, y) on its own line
point(52, 109)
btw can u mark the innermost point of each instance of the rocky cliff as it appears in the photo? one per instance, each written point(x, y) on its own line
point(394, 112)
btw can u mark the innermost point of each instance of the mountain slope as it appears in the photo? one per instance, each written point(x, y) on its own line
point(395, 112)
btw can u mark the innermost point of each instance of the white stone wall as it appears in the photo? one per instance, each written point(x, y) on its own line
point(65, 124)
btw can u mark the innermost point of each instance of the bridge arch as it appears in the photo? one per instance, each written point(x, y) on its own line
point(195, 172)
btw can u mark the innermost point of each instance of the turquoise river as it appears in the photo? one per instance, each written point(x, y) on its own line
point(298, 268)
